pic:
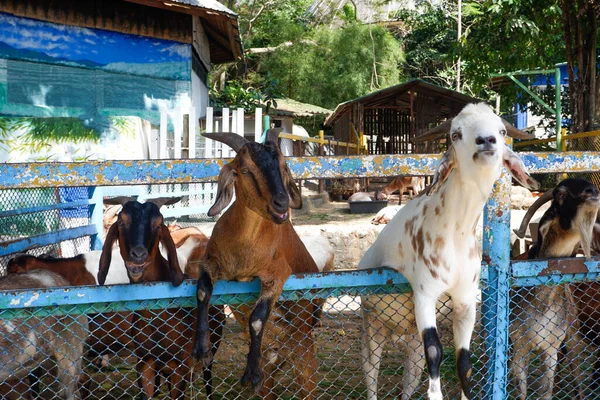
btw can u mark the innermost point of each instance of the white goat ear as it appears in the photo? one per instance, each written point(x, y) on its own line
point(445, 167)
point(515, 166)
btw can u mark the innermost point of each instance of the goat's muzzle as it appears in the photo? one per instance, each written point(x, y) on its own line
point(280, 205)
point(136, 271)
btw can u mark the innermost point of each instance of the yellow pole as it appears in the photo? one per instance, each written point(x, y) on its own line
point(563, 143)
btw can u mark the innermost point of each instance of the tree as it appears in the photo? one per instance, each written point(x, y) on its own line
point(580, 19)
point(336, 65)
point(320, 58)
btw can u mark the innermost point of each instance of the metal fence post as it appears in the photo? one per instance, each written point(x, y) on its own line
point(496, 252)
point(96, 213)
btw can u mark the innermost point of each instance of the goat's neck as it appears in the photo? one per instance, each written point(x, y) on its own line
point(251, 226)
point(464, 199)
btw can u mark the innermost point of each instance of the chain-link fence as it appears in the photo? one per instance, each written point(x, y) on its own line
point(547, 333)
point(114, 342)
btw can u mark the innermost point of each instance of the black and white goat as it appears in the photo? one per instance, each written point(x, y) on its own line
point(432, 242)
point(541, 313)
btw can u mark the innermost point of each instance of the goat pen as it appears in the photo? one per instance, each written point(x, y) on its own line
point(338, 340)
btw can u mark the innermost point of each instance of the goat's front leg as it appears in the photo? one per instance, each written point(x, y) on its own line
point(426, 324)
point(202, 347)
point(270, 291)
point(463, 322)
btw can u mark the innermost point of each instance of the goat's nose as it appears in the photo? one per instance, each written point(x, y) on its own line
point(138, 253)
point(591, 190)
point(281, 202)
point(485, 140)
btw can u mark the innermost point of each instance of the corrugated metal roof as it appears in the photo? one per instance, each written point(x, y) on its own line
point(219, 22)
point(293, 108)
point(393, 92)
point(207, 4)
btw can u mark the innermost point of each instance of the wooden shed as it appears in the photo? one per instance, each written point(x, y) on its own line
point(390, 118)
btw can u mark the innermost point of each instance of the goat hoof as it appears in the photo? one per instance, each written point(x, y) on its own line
point(206, 357)
point(254, 377)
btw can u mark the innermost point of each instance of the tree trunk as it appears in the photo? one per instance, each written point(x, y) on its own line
point(580, 19)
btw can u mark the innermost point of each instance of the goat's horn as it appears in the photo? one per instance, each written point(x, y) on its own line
point(164, 201)
point(514, 132)
point(529, 214)
point(120, 200)
point(231, 139)
point(441, 129)
point(273, 135)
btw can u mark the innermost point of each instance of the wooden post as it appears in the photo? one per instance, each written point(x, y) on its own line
point(257, 124)
point(321, 153)
point(192, 133)
point(185, 147)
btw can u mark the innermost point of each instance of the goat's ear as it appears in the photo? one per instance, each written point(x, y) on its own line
point(175, 273)
point(105, 257)
point(445, 167)
point(293, 191)
point(515, 165)
point(224, 190)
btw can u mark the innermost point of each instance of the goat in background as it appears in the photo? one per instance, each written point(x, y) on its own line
point(432, 242)
point(254, 238)
point(27, 343)
point(402, 184)
point(540, 317)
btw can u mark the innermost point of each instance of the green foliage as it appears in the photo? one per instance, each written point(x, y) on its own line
point(428, 42)
point(277, 22)
point(234, 94)
point(335, 65)
point(511, 35)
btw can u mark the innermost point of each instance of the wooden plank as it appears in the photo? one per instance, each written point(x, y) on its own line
point(192, 126)
point(208, 143)
point(162, 147)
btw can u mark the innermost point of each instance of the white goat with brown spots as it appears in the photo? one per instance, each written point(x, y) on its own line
point(432, 242)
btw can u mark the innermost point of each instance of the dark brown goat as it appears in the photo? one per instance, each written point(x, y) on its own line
point(163, 339)
point(254, 238)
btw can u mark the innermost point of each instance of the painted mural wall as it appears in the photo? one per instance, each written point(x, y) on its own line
point(92, 75)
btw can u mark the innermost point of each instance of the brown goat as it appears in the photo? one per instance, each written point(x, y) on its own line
point(254, 238)
point(402, 183)
point(163, 339)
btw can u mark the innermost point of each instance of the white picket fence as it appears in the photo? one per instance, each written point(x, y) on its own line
point(178, 137)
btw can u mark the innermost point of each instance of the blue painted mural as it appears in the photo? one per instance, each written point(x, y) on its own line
point(38, 41)
point(53, 70)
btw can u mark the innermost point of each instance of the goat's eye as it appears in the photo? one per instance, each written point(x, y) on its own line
point(244, 170)
point(503, 132)
point(456, 136)
point(120, 223)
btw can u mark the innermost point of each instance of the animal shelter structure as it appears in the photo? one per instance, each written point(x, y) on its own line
point(392, 118)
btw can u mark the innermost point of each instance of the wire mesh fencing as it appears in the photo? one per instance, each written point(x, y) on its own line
point(134, 345)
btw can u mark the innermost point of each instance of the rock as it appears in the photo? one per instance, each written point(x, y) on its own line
point(520, 191)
